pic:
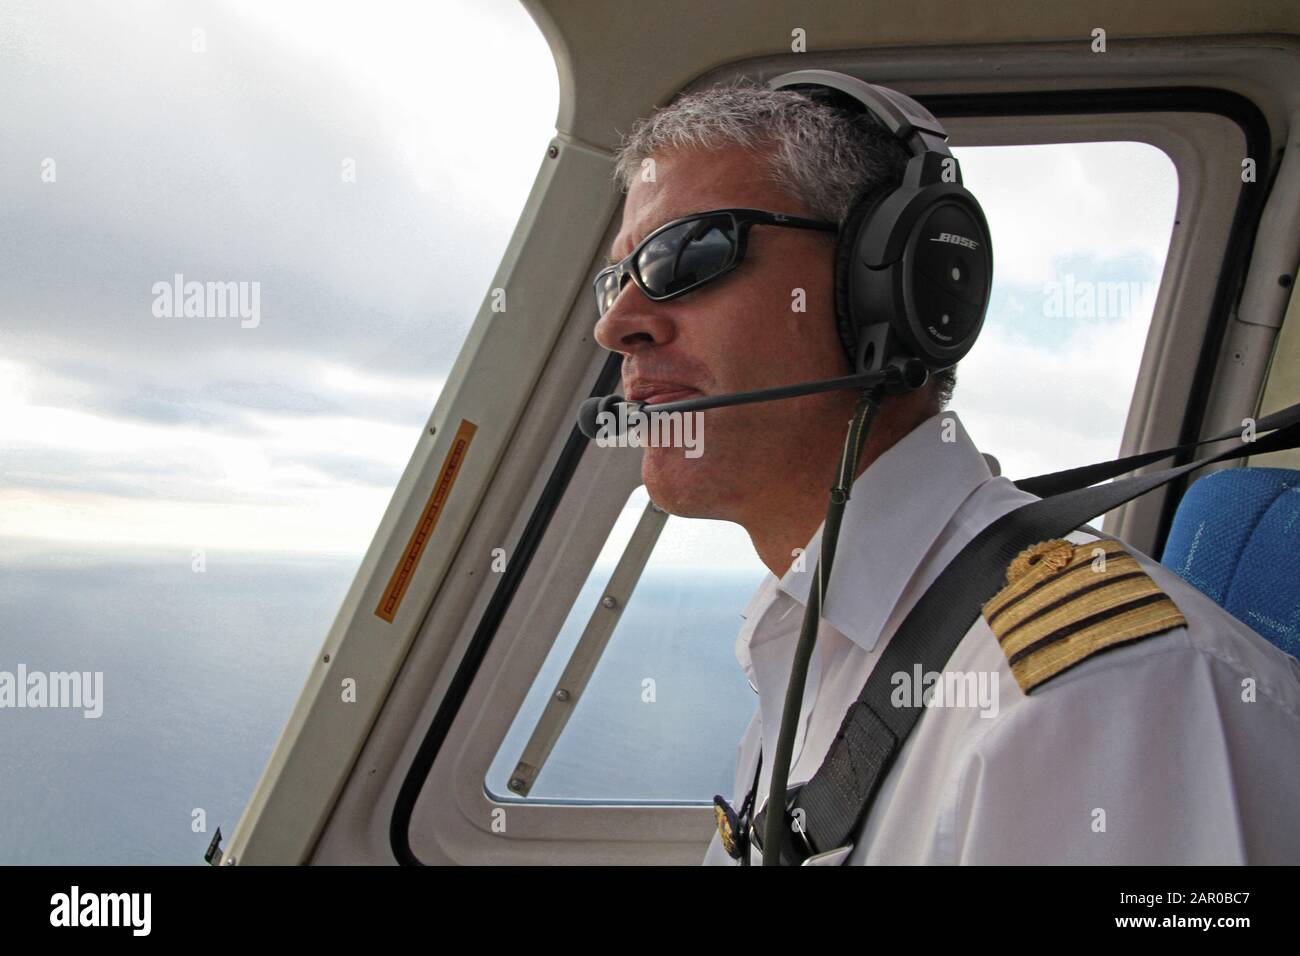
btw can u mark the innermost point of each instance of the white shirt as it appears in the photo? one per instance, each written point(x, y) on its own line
point(1149, 753)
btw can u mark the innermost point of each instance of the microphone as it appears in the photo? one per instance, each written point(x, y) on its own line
point(899, 375)
point(591, 409)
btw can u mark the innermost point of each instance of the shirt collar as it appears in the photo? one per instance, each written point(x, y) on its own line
point(757, 605)
point(896, 510)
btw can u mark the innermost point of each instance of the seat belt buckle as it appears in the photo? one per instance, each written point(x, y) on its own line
point(798, 849)
point(830, 857)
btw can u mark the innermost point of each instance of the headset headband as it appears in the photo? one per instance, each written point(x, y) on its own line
point(900, 114)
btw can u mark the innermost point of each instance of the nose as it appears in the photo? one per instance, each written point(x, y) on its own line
point(633, 323)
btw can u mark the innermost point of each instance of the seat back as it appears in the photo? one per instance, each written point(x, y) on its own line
point(1236, 537)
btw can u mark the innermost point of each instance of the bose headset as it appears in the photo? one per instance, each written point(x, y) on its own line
point(913, 263)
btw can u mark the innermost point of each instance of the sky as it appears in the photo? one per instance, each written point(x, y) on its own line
point(124, 429)
point(210, 140)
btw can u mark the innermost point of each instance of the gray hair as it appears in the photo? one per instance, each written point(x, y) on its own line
point(823, 156)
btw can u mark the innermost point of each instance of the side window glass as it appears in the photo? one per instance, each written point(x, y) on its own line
point(1080, 236)
point(659, 718)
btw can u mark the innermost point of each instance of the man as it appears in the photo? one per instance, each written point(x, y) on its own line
point(1178, 745)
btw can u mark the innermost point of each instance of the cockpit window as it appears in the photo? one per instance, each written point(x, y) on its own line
point(243, 244)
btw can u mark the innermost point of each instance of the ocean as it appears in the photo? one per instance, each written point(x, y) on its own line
point(201, 670)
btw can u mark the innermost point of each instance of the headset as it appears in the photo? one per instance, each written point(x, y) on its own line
point(914, 260)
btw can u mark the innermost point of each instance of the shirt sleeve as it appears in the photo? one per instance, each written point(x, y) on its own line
point(1159, 755)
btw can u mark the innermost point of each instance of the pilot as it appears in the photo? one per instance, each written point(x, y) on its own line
point(1126, 722)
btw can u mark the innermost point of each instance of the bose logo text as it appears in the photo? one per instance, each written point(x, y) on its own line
point(956, 240)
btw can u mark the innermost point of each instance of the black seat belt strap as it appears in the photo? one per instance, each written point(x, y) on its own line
point(1044, 486)
point(834, 802)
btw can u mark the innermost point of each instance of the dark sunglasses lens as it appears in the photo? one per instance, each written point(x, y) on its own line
point(607, 286)
point(688, 254)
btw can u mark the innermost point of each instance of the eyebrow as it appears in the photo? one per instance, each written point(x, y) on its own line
point(611, 260)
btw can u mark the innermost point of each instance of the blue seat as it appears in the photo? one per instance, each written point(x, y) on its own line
point(1236, 537)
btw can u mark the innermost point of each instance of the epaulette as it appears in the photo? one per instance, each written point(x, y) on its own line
point(1064, 603)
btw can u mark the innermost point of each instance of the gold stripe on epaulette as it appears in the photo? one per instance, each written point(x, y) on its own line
point(1065, 602)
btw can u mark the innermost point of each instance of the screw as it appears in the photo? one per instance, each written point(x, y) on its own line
point(552, 152)
point(518, 785)
point(327, 658)
point(561, 694)
point(609, 601)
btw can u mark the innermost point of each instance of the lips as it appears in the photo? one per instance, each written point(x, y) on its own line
point(657, 393)
point(660, 398)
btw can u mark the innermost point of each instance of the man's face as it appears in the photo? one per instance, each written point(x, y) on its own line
point(740, 332)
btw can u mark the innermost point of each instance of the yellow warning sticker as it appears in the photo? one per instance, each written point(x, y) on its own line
point(402, 574)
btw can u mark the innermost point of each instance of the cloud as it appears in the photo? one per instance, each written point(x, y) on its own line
point(1102, 200)
point(227, 165)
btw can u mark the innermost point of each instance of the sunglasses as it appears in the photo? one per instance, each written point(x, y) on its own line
point(687, 253)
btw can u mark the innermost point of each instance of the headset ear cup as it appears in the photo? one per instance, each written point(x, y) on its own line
point(845, 321)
